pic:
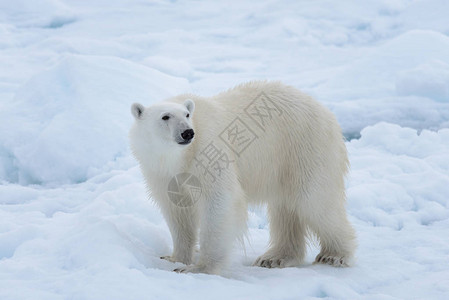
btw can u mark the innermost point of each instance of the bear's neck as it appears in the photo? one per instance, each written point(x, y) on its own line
point(164, 165)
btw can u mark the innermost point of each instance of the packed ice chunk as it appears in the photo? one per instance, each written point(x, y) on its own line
point(429, 80)
point(67, 122)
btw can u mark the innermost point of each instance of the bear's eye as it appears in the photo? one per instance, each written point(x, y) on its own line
point(188, 115)
point(165, 118)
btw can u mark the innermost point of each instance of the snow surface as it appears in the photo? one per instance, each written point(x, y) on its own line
point(75, 222)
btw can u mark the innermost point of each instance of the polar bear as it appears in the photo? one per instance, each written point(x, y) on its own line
point(205, 159)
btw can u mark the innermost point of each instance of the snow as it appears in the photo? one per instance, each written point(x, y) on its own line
point(75, 221)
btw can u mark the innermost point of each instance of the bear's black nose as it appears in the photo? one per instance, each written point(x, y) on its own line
point(188, 134)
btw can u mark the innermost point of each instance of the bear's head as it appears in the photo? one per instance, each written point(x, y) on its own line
point(165, 125)
point(161, 132)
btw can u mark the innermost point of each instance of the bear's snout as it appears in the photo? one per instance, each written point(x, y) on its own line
point(187, 135)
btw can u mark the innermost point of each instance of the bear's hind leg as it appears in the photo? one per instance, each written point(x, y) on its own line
point(336, 236)
point(287, 237)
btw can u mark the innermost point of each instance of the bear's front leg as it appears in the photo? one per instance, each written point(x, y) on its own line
point(218, 230)
point(183, 224)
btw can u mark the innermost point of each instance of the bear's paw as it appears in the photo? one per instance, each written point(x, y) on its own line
point(193, 269)
point(276, 261)
point(332, 260)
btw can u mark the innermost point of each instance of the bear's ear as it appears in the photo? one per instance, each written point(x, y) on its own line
point(137, 110)
point(190, 105)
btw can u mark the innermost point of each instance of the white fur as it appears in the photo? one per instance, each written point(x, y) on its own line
point(296, 165)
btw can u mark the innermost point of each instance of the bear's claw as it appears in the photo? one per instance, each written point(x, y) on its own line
point(168, 257)
point(332, 260)
point(265, 261)
point(192, 269)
